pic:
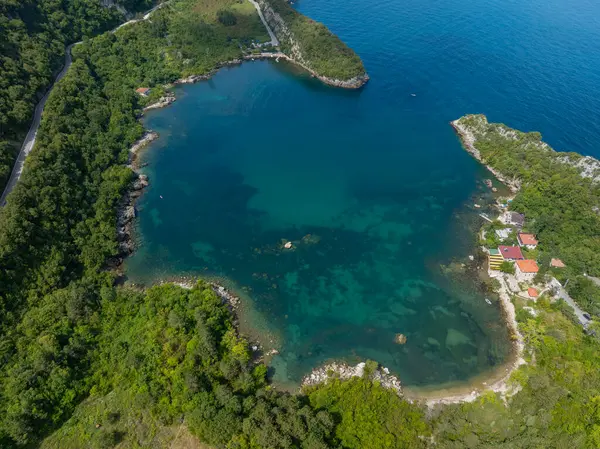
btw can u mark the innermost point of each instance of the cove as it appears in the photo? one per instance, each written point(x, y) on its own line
point(371, 187)
point(261, 155)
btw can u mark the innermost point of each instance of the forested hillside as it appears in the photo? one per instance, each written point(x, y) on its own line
point(59, 227)
point(33, 37)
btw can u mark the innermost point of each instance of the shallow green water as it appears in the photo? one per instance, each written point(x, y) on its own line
point(258, 157)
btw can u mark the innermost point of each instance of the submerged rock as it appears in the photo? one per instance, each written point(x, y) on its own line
point(400, 339)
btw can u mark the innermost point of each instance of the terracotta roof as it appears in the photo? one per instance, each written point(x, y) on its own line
point(142, 90)
point(527, 239)
point(557, 263)
point(528, 266)
point(511, 252)
point(532, 292)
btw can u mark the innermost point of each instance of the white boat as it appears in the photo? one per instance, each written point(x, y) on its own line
point(488, 301)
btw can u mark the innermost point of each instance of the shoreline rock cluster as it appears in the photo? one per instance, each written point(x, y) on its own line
point(127, 214)
point(343, 371)
point(148, 137)
point(226, 296)
point(162, 102)
point(192, 79)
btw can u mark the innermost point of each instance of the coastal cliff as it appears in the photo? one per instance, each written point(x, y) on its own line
point(312, 46)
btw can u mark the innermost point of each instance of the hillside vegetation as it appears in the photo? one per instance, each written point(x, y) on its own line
point(58, 231)
point(33, 37)
point(171, 357)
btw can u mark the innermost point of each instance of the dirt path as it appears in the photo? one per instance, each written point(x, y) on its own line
point(29, 141)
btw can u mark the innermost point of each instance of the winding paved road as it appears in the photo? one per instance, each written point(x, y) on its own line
point(37, 115)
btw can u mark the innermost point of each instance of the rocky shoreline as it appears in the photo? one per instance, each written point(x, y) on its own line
point(354, 83)
point(343, 371)
point(191, 79)
point(229, 299)
point(468, 140)
point(126, 211)
point(162, 102)
point(126, 215)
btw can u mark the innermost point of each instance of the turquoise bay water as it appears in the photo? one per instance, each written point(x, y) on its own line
point(371, 187)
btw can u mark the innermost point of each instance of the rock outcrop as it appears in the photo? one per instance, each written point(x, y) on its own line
point(191, 79)
point(113, 4)
point(344, 371)
point(148, 137)
point(162, 102)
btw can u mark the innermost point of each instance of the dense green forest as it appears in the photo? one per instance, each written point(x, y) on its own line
point(87, 363)
point(168, 362)
point(171, 357)
point(33, 37)
point(59, 229)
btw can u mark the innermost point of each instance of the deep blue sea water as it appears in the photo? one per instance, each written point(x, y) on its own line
point(371, 187)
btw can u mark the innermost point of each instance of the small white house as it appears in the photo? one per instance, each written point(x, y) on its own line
point(503, 234)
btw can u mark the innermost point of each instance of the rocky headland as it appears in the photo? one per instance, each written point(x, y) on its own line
point(475, 127)
point(468, 139)
point(288, 26)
